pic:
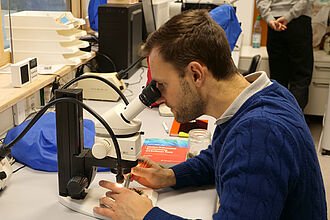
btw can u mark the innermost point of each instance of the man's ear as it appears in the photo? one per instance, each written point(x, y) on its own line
point(197, 72)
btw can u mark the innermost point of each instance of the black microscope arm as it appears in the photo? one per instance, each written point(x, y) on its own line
point(74, 161)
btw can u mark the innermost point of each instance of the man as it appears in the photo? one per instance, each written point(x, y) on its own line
point(290, 44)
point(262, 159)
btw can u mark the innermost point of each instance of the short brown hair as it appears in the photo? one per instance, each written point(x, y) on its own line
point(193, 36)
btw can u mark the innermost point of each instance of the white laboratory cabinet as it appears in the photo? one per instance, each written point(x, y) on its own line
point(319, 87)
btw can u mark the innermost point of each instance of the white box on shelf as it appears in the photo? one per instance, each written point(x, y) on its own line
point(20, 73)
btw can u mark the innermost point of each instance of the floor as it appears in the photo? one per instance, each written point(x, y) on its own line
point(315, 126)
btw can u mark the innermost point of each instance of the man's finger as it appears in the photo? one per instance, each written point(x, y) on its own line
point(146, 162)
point(139, 171)
point(112, 195)
point(110, 185)
point(104, 211)
point(107, 201)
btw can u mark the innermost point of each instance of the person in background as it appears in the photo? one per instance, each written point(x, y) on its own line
point(290, 44)
point(262, 159)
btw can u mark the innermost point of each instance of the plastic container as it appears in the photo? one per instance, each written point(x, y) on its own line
point(256, 36)
point(162, 11)
point(199, 139)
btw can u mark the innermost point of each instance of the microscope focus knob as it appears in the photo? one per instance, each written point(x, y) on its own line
point(3, 175)
point(77, 185)
point(101, 149)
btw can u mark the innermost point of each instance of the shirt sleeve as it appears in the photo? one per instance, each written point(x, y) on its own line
point(264, 8)
point(159, 214)
point(296, 11)
point(255, 169)
point(196, 171)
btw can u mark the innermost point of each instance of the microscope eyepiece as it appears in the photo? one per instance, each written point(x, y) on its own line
point(150, 94)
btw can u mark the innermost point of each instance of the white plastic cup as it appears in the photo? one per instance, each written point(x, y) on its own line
point(199, 139)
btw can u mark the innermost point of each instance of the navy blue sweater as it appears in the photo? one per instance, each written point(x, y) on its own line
point(262, 161)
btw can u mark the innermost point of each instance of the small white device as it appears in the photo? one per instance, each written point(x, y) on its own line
point(20, 73)
point(97, 90)
point(33, 68)
point(5, 172)
point(23, 72)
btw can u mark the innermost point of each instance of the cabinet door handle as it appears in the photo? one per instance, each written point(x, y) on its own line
point(324, 68)
point(321, 84)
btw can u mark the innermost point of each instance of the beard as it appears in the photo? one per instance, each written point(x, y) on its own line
point(191, 106)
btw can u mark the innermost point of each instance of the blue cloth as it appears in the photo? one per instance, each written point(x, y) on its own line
point(93, 13)
point(225, 16)
point(38, 148)
point(262, 162)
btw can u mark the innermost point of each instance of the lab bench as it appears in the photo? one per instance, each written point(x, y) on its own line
point(33, 194)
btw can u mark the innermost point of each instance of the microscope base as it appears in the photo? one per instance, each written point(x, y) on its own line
point(85, 206)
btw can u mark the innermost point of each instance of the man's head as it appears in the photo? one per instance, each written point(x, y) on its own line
point(183, 53)
point(193, 36)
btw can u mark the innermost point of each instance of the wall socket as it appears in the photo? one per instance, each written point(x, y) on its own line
point(19, 112)
point(7, 121)
point(32, 103)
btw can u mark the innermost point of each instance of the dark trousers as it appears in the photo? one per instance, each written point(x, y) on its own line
point(291, 58)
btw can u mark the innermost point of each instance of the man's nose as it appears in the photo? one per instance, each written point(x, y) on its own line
point(160, 100)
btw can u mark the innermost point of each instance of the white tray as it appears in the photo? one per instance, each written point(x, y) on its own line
point(53, 59)
point(43, 20)
point(46, 35)
point(49, 47)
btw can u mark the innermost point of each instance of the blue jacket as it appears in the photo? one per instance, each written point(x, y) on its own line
point(262, 161)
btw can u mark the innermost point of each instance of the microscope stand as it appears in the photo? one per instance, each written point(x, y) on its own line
point(86, 205)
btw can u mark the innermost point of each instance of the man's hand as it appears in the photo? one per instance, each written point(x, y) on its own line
point(152, 175)
point(276, 25)
point(122, 203)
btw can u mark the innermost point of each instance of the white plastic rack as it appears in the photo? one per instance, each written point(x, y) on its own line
point(51, 36)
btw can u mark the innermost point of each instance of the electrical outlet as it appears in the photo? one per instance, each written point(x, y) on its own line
point(63, 80)
point(19, 112)
point(47, 93)
point(7, 121)
point(32, 103)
